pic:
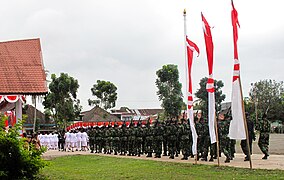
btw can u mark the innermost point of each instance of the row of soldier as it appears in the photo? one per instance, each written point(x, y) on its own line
point(168, 138)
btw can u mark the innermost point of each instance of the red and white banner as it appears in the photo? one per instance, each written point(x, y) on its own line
point(210, 81)
point(237, 128)
point(191, 47)
point(12, 98)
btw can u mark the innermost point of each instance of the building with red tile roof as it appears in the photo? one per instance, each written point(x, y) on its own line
point(21, 68)
point(21, 73)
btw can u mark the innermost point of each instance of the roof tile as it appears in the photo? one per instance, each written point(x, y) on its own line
point(21, 67)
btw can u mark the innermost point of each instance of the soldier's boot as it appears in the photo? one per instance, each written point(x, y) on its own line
point(149, 155)
point(227, 160)
point(211, 159)
point(165, 154)
point(172, 157)
point(204, 159)
point(115, 152)
point(265, 156)
point(184, 158)
point(246, 158)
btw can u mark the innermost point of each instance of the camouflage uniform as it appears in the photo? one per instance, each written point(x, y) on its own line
point(158, 139)
point(186, 140)
point(123, 139)
point(116, 141)
point(263, 142)
point(98, 140)
point(108, 139)
point(149, 140)
point(172, 138)
point(165, 138)
point(205, 139)
point(178, 135)
point(223, 127)
point(91, 134)
point(131, 140)
point(198, 127)
point(139, 139)
point(251, 137)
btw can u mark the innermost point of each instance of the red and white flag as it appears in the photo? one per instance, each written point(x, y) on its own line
point(237, 128)
point(210, 81)
point(190, 48)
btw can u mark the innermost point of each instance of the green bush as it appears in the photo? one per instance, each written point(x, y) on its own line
point(18, 161)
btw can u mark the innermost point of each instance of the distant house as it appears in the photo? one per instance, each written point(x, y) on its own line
point(98, 114)
point(126, 114)
point(99, 117)
point(42, 124)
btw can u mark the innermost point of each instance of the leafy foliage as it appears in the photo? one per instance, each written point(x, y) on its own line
point(62, 100)
point(106, 95)
point(18, 162)
point(202, 94)
point(269, 97)
point(169, 90)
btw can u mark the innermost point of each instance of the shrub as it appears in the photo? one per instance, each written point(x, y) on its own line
point(18, 162)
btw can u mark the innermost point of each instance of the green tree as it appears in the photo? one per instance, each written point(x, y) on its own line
point(18, 159)
point(202, 95)
point(105, 93)
point(169, 90)
point(268, 96)
point(61, 99)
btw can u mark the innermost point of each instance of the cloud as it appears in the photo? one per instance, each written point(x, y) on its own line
point(126, 42)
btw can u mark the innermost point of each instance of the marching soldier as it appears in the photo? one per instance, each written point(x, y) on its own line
point(223, 126)
point(185, 140)
point(131, 140)
point(116, 140)
point(123, 139)
point(149, 139)
point(263, 142)
point(251, 137)
point(172, 138)
point(139, 139)
point(158, 139)
point(91, 134)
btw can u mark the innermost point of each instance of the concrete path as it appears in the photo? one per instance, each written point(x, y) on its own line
point(273, 162)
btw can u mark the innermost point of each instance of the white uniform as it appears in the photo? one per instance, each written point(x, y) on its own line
point(55, 141)
point(84, 139)
point(67, 137)
point(73, 139)
point(79, 140)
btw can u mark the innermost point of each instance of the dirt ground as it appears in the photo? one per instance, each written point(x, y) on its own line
point(275, 160)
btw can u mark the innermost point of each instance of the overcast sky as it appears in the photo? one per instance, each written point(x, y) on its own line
point(127, 41)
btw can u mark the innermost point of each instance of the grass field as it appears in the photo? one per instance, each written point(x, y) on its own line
point(98, 167)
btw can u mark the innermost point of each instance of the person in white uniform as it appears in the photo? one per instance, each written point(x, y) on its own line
point(79, 141)
point(67, 137)
point(73, 140)
point(84, 140)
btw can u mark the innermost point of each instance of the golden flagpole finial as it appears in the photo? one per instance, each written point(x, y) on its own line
point(184, 12)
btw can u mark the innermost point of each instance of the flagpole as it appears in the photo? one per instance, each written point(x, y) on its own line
point(217, 140)
point(186, 71)
point(245, 123)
